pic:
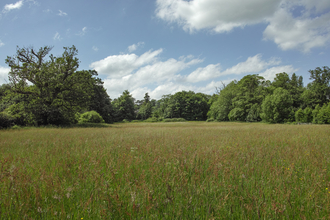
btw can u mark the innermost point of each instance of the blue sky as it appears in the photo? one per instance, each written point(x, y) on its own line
point(165, 46)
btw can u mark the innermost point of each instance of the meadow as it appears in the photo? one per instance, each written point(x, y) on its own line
point(183, 170)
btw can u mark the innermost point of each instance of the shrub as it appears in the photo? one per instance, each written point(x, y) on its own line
point(134, 121)
point(16, 127)
point(210, 120)
point(323, 116)
point(153, 119)
point(125, 120)
point(91, 117)
point(308, 117)
point(299, 115)
point(174, 120)
point(6, 120)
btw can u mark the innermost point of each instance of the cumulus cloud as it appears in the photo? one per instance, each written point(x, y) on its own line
point(134, 47)
point(270, 73)
point(220, 15)
point(303, 33)
point(252, 65)
point(4, 75)
point(148, 73)
point(10, 7)
point(62, 13)
point(121, 65)
point(307, 29)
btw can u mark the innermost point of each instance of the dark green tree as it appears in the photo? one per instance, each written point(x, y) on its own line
point(101, 102)
point(277, 108)
point(54, 90)
point(124, 107)
point(250, 94)
point(145, 109)
point(220, 108)
point(318, 91)
point(293, 85)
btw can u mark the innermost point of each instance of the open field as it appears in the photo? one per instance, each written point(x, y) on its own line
point(193, 170)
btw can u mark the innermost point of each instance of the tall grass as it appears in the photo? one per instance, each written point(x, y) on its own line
point(166, 171)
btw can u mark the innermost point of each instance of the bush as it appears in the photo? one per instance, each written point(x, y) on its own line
point(174, 120)
point(153, 119)
point(91, 117)
point(135, 121)
point(210, 120)
point(299, 115)
point(6, 120)
point(16, 127)
point(323, 116)
point(126, 120)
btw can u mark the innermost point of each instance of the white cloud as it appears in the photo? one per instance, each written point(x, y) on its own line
point(121, 65)
point(57, 36)
point(62, 13)
point(270, 73)
point(219, 15)
point(303, 33)
point(309, 28)
point(169, 88)
point(252, 65)
point(148, 73)
point(83, 31)
point(1, 43)
point(4, 75)
point(95, 48)
point(206, 73)
point(134, 47)
point(154, 74)
point(10, 7)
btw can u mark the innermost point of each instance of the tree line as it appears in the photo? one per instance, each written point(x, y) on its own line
point(45, 90)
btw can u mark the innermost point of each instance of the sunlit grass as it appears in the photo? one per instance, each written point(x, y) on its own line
point(165, 171)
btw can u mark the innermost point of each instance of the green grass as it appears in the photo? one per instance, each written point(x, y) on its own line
point(192, 170)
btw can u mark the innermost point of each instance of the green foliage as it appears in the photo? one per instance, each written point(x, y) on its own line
point(145, 110)
point(91, 117)
point(57, 91)
point(318, 91)
point(152, 119)
point(188, 105)
point(315, 113)
point(6, 120)
point(174, 120)
point(221, 107)
point(277, 108)
point(101, 102)
point(237, 114)
point(308, 115)
point(294, 86)
point(300, 116)
point(323, 114)
point(124, 107)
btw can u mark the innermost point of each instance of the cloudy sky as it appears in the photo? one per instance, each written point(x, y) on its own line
point(166, 46)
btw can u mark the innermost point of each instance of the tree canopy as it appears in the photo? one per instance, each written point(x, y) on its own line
point(52, 88)
point(44, 89)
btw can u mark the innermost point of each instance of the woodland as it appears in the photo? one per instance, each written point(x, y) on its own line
point(48, 90)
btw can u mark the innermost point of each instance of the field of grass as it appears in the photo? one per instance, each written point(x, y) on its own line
point(192, 170)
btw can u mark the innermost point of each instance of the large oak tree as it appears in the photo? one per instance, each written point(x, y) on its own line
point(53, 88)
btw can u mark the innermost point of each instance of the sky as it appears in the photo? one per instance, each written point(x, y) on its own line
point(166, 46)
